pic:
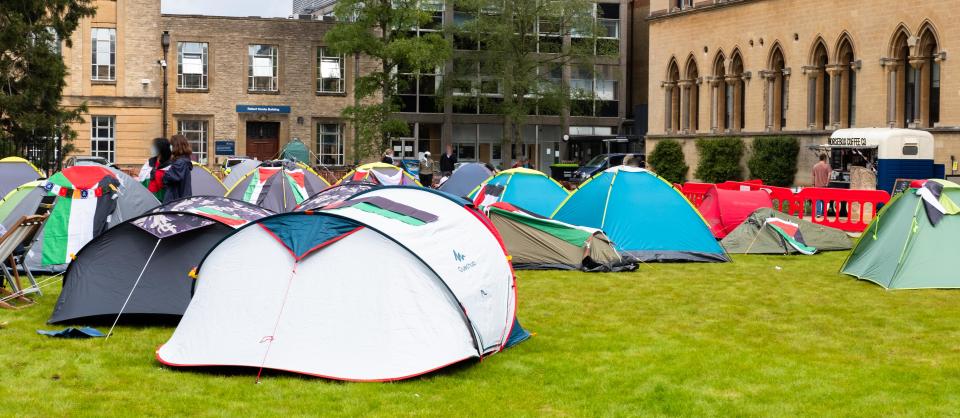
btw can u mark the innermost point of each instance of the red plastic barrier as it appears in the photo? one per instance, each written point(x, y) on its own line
point(860, 207)
point(695, 191)
point(848, 210)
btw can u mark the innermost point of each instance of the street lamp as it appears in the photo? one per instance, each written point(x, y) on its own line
point(165, 44)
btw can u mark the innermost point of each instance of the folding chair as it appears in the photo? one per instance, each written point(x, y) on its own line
point(14, 246)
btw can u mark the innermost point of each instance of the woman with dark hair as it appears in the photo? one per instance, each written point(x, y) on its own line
point(176, 180)
point(151, 174)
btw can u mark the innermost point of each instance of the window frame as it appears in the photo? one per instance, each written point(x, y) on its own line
point(111, 139)
point(341, 85)
point(204, 57)
point(274, 56)
point(339, 145)
point(199, 145)
point(96, 68)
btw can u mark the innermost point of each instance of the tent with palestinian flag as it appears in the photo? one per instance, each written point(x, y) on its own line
point(767, 231)
point(912, 242)
point(277, 185)
point(142, 266)
point(380, 174)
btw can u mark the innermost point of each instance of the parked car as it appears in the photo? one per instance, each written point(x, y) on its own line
point(604, 161)
point(81, 159)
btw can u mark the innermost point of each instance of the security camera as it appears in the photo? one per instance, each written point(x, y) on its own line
point(163, 63)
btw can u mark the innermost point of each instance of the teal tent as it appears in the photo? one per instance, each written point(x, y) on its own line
point(296, 151)
point(528, 189)
point(911, 244)
point(643, 214)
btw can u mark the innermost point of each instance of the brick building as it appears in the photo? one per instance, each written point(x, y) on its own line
point(256, 83)
point(804, 68)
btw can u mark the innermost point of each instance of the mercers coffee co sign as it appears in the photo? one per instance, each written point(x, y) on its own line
point(848, 142)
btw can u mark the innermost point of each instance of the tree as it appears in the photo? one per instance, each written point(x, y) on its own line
point(667, 161)
point(719, 159)
point(32, 72)
point(381, 30)
point(520, 49)
point(774, 160)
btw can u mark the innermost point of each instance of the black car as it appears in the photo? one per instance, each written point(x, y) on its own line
point(604, 161)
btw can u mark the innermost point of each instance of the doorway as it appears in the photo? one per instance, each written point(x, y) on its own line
point(263, 140)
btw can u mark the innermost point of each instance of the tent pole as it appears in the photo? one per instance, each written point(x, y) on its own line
point(117, 319)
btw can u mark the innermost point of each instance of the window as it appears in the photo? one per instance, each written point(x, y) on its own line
point(465, 152)
point(690, 91)
point(847, 80)
point(104, 57)
point(102, 142)
point(911, 149)
point(671, 102)
point(776, 92)
point(262, 71)
point(196, 133)
point(329, 144)
point(818, 90)
point(192, 65)
point(329, 71)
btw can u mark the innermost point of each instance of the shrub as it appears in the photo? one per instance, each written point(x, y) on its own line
point(774, 160)
point(719, 159)
point(667, 161)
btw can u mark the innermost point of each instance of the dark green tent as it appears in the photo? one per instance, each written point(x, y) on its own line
point(902, 249)
point(753, 237)
point(296, 151)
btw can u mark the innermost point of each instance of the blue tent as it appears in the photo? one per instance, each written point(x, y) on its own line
point(644, 216)
point(522, 187)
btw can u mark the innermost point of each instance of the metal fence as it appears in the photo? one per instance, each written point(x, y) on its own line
point(43, 152)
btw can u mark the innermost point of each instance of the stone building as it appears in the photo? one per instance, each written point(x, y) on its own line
point(249, 85)
point(748, 68)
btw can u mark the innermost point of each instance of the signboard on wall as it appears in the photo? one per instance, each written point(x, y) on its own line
point(262, 109)
point(225, 147)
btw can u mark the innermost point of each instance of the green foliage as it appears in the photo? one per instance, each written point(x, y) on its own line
point(517, 71)
point(379, 31)
point(667, 161)
point(774, 160)
point(32, 72)
point(719, 159)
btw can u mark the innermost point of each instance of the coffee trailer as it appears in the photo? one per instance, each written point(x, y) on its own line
point(892, 154)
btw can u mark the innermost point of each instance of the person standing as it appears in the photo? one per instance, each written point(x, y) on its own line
point(448, 162)
point(151, 174)
point(388, 157)
point(177, 180)
point(821, 178)
point(426, 170)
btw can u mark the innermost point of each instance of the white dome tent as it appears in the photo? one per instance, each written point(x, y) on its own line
point(370, 290)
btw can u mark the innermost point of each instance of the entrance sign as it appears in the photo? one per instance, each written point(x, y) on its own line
point(225, 147)
point(262, 109)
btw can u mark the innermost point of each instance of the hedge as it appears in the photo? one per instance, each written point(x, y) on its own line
point(719, 159)
point(667, 161)
point(774, 160)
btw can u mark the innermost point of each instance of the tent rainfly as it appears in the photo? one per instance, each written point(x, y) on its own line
point(643, 214)
point(334, 194)
point(381, 174)
point(142, 266)
point(911, 242)
point(465, 179)
point(15, 171)
point(725, 209)
point(298, 291)
point(522, 187)
point(204, 183)
point(758, 234)
point(278, 186)
point(535, 242)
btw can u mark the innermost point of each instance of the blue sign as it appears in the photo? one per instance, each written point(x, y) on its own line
point(225, 147)
point(262, 109)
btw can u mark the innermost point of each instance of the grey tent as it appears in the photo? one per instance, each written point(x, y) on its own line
point(334, 194)
point(465, 179)
point(238, 171)
point(753, 237)
point(22, 201)
point(204, 183)
point(142, 266)
point(15, 171)
point(535, 242)
point(277, 185)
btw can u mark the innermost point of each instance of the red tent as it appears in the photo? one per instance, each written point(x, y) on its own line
point(725, 210)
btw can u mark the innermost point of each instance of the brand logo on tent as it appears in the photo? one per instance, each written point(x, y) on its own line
point(459, 257)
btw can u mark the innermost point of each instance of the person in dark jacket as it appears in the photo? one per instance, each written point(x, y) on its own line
point(177, 179)
point(151, 174)
point(388, 157)
point(448, 162)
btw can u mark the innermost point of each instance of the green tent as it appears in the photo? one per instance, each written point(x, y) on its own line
point(538, 243)
point(756, 236)
point(297, 151)
point(902, 249)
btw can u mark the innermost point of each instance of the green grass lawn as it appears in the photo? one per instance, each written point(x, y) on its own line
point(744, 338)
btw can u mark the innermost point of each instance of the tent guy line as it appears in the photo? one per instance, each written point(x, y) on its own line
point(134, 288)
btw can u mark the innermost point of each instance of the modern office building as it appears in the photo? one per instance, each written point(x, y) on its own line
point(803, 68)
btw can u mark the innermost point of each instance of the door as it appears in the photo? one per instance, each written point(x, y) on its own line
point(263, 140)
